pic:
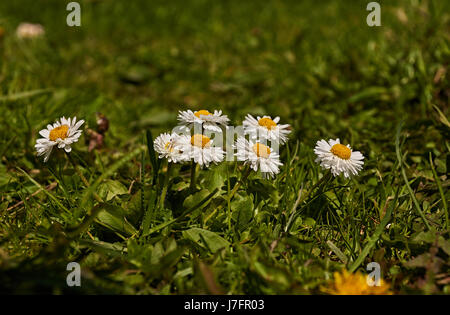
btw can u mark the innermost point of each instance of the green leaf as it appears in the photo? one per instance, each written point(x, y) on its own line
point(149, 213)
point(114, 218)
point(48, 193)
point(214, 179)
point(112, 249)
point(196, 198)
point(442, 117)
point(376, 235)
point(444, 245)
point(425, 260)
point(109, 172)
point(206, 238)
point(5, 178)
point(242, 211)
point(427, 237)
point(373, 92)
point(170, 259)
point(151, 152)
point(186, 212)
point(111, 188)
point(26, 94)
point(337, 251)
point(405, 178)
point(272, 274)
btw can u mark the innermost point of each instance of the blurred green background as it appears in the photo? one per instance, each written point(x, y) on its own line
point(315, 63)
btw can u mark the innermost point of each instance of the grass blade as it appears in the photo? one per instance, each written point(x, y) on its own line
point(165, 224)
point(152, 154)
point(405, 178)
point(376, 235)
point(441, 191)
point(53, 197)
point(337, 251)
point(26, 94)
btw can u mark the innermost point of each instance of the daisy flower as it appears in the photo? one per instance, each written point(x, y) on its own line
point(62, 133)
point(209, 121)
point(165, 144)
point(259, 156)
point(338, 157)
point(266, 128)
point(199, 148)
point(28, 30)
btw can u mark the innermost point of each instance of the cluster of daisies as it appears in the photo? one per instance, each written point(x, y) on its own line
point(198, 147)
point(256, 147)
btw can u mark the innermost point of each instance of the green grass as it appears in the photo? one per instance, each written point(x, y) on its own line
point(316, 64)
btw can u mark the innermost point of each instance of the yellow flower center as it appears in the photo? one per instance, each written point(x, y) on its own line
point(169, 146)
point(59, 132)
point(261, 150)
point(341, 151)
point(267, 122)
point(200, 141)
point(202, 112)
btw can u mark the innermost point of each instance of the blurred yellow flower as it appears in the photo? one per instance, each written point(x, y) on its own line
point(346, 283)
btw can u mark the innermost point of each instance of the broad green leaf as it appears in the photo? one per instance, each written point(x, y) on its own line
point(112, 249)
point(214, 179)
point(242, 211)
point(114, 218)
point(196, 198)
point(109, 172)
point(427, 237)
point(444, 245)
point(5, 178)
point(111, 188)
point(213, 241)
point(272, 274)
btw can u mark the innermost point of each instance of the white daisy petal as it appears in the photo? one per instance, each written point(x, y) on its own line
point(62, 134)
point(209, 121)
point(200, 149)
point(266, 128)
point(45, 133)
point(258, 156)
point(78, 124)
point(47, 154)
point(167, 147)
point(338, 158)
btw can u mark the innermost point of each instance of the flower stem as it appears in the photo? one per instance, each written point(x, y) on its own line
point(303, 196)
point(193, 170)
point(246, 172)
point(325, 178)
point(165, 187)
point(83, 179)
point(228, 201)
point(231, 194)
